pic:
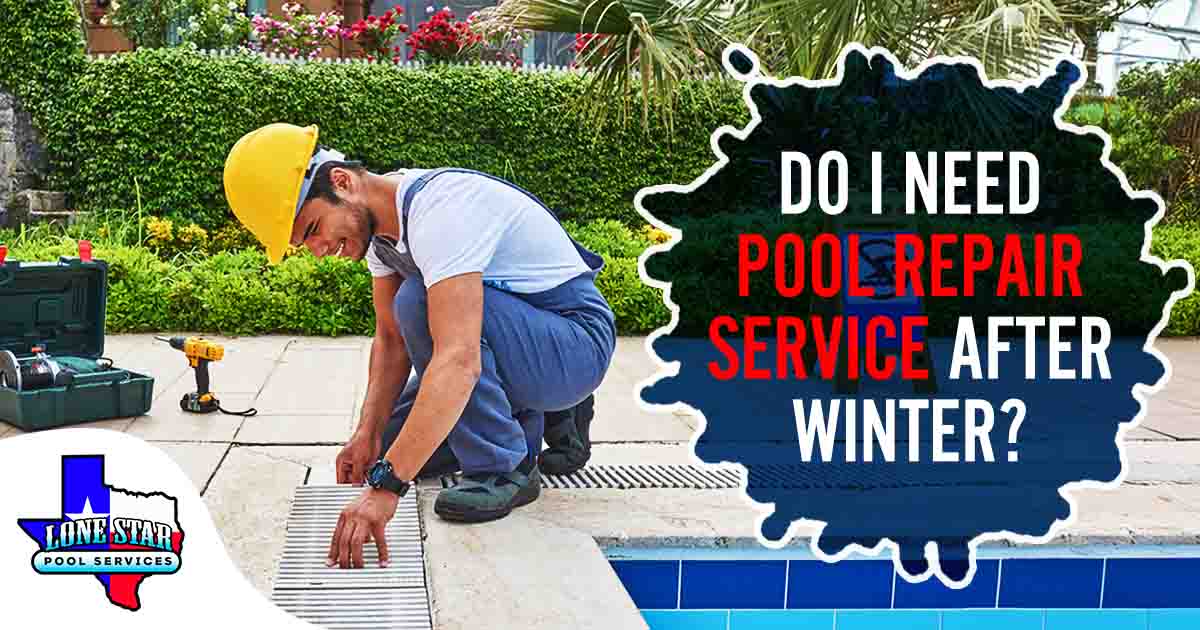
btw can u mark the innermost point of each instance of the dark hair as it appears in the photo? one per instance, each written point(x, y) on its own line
point(322, 185)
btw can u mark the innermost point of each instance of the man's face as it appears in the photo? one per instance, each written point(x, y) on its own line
point(336, 229)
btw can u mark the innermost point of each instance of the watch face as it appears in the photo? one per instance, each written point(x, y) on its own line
point(378, 473)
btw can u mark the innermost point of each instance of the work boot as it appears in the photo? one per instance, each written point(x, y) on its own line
point(568, 442)
point(481, 497)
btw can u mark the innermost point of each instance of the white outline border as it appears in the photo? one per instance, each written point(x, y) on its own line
point(666, 370)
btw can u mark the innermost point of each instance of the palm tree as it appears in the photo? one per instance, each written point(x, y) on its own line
point(644, 49)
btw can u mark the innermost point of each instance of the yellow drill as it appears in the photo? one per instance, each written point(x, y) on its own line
point(199, 352)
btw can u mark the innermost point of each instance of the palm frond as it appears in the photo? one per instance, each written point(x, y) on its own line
point(648, 47)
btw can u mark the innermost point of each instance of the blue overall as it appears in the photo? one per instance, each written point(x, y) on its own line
point(544, 351)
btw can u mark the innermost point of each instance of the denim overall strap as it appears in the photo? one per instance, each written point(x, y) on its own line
point(594, 262)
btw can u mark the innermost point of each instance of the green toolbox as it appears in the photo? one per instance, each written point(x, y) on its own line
point(52, 370)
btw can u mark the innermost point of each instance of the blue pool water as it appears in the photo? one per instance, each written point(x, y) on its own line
point(1063, 588)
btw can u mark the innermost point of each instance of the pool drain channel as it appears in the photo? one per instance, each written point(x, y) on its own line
point(772, 476)
point(395, 597)
point(637, 477)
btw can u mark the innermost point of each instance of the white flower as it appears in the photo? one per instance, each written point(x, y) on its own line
point(429, 9)
point(233, 6)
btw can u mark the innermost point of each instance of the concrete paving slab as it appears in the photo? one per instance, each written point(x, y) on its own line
point(319, 460)
point(619, 419)
point(1184, 354)
point(153, 358)
point(317, 382)
point(497, 574)
point(678, 453)
point(1143, 514)
point(1163, 462)
point(1183, 389)
point(265, 429)
point(120, 348)
point(330, 343)
point(249, 499)
point(1143, 434)
point(7, 430)
point(199, 461)
point(168, 423)
point(1171, 418)
point(119, 425)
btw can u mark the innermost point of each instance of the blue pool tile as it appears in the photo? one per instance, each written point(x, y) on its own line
point(781, 620)
point(846, 584)
point(980, 593)
point(650, 583)
point(1174, 619)
point(1096, 620)
point(733, 584)
point(887, 620)
point(1152, 583)
point(686, 619)
point(1050, 582)
point(992, 620)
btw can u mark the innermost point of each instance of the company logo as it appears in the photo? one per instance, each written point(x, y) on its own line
point(119, 536)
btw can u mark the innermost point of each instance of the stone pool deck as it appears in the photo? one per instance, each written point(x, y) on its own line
point(308, 392)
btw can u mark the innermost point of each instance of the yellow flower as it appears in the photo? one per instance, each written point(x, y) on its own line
point(193, 236)
point(161, 231)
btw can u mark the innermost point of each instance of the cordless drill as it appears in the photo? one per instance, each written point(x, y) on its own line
point(199, 353)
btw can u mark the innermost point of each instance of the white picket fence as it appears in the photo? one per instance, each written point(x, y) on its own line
point(404, 64)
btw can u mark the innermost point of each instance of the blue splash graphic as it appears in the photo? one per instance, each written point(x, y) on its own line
point(931, 514)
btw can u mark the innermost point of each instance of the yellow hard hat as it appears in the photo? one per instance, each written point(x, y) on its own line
point(267, 175)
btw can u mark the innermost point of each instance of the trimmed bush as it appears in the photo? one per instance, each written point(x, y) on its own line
point(164, 120)
point(237, 293)
point(41, 53)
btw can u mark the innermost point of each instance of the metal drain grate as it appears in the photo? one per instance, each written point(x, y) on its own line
point(395, 597)
point(779, 476)
point(644, 476)
point(637, 477)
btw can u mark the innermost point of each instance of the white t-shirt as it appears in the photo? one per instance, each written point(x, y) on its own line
point(465, 222)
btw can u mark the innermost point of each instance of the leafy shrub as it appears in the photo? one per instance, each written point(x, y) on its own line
point(1183, 242)
point(164, 120)
point(238, 293)
point(41, 52)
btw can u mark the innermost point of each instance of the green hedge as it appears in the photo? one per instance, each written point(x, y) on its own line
point(164, 120)
point(237, 293)
point(41, 53)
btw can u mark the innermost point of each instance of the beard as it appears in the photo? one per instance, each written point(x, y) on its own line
point(364, 225)
point(366, 219)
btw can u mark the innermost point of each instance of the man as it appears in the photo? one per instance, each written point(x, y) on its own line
point(478, 288)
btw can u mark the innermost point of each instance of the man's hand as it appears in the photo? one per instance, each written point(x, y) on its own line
point(365, 518)
point(356, 458)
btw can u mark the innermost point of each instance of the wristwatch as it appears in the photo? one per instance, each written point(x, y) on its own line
point(382, 477)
